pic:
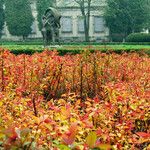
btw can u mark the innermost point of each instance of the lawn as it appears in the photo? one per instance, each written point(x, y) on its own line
point(123, 47)
point(63, 49)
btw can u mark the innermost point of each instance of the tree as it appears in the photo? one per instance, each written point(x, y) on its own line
point(19, 17)
point(42, 5)
point(1, 17)
point(147, 25)
point(126, 16)
point(85, 7)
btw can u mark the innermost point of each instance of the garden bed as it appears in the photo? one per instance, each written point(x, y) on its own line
point(84, 101)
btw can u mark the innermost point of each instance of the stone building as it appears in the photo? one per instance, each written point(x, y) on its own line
point(72, 25)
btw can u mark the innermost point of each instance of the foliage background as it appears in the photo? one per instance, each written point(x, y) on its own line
point(2, 18)
point(124, 17)
point(42, 5)
point(19, 17)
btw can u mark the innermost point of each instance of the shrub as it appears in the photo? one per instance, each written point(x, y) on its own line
point(117, 37)
point(138, 37)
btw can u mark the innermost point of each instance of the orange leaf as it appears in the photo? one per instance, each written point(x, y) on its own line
point(143, 134)
point(69, 137)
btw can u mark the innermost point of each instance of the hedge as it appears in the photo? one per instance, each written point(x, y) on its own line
point(138, 37)
point(78, 51)
point(117, 37)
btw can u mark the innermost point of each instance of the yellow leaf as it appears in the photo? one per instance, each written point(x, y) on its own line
point(1, 103)
point(91, 139)
point(48, 126)
point(2, 135)
point(133, 106)
point(42, 118)
point(148, 147)
point(36, 119)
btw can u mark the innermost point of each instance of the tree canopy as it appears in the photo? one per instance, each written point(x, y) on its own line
point(85, 8)
point(2, 18)
point(126, 16)
point(42, 5)
point(19, 17)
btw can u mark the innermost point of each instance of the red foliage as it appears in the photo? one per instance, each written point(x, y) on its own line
point(54, 102)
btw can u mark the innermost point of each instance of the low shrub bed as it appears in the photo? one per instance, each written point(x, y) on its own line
point(88, 101)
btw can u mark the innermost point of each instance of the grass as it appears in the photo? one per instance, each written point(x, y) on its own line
point(63, 49)
point(37, 47)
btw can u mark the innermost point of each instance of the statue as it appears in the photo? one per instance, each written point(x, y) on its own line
point(51, 26)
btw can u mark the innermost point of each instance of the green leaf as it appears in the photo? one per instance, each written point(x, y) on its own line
point(63, 147)
point(96, 148)
point(33, 145)
point(26, 143)
point(1, 143)
point(56, 142)
point(133, 106)
point(1, 120)
point(91, 139)
point(104, 146)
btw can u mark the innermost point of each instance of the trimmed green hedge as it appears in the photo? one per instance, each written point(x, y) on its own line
point(117, 37)
point(78, 51)
point(27, 51)
point(138, 37)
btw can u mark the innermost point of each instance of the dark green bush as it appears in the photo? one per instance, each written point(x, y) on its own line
point(78, 51)
point(23, 51)
point(117, 37)
point(138, 37)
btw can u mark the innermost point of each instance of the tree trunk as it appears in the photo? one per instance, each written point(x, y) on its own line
point(86, 29)
point(86, 17)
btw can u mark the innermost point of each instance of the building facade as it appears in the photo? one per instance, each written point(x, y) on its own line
point(72, 24)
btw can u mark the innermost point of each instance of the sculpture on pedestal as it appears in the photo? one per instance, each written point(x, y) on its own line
point(51, 26)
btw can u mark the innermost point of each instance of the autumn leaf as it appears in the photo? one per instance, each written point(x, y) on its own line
point(2, 134)
point(91, 139)
point(104, 146)
point(143, 134)
point(96, 99)
point(63, 147)
point(12, 134)
point(1, 103)
point(69, 137)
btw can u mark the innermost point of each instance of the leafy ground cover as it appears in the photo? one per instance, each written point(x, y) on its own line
point(74, 102)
